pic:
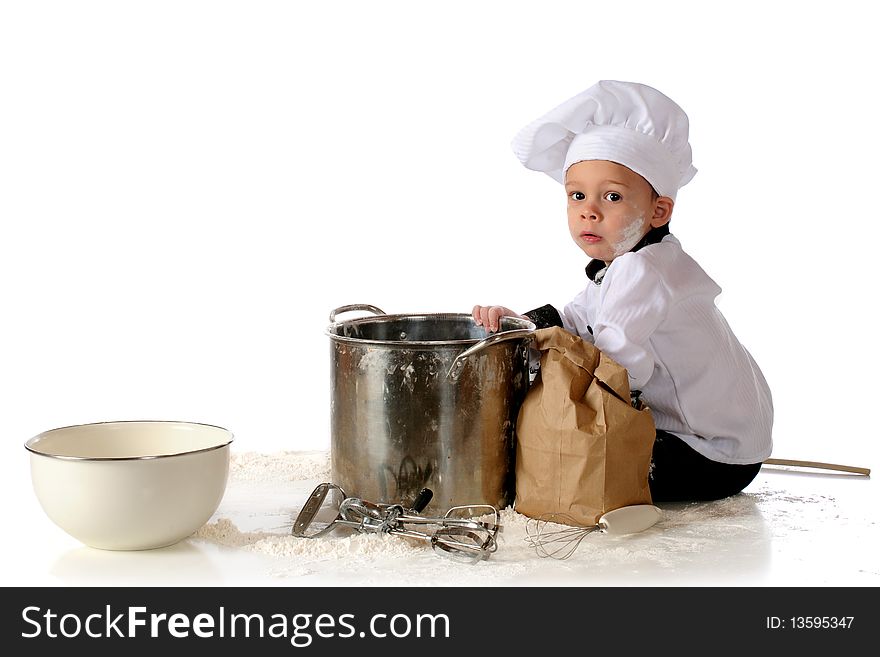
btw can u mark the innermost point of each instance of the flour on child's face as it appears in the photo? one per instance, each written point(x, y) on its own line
point(609, 208)
point(630, 235)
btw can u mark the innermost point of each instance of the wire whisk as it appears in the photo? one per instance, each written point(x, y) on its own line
point(558, 535)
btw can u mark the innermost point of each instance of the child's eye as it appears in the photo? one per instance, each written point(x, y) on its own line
point(577, 196)
point(614, 197)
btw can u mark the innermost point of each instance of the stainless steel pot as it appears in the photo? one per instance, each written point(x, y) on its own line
point(426, 401)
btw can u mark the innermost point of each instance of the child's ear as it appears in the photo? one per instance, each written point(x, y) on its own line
point(662, 211)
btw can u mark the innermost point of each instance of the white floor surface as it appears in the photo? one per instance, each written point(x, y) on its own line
point(789, 528)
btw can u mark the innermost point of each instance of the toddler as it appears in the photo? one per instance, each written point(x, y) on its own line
point(621, 150)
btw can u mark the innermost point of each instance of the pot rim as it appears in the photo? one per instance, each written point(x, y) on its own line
point(375, 319)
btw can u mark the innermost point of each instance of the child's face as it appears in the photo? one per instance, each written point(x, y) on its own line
point(611, 208)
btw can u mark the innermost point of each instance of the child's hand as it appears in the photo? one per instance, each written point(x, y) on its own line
point(489, 316)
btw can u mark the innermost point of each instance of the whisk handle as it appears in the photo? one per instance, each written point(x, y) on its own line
point(629, 519)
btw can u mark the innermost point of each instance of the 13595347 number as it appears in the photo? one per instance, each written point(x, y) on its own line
point(821, 622)
point(810, 622)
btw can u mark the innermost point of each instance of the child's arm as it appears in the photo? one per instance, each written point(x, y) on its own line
point(635, 303)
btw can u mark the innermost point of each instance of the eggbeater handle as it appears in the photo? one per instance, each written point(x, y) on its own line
point(422, 500)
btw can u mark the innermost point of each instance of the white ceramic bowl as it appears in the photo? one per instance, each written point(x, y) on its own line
point(130, 485)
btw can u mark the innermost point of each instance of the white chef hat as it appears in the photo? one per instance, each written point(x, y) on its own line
point(624, 122)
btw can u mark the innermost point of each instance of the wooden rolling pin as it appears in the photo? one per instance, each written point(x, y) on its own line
point(819, 465)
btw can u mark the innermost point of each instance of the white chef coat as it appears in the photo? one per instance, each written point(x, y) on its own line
point(654, 313)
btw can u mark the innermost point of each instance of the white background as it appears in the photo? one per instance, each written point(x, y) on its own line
point(188, 188)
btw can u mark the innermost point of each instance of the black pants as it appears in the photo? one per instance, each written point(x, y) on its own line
point(681, 474)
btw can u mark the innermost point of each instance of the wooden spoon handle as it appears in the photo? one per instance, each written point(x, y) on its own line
point(819, 465)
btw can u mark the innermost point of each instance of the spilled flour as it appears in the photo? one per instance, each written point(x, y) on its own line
point(719, 540)
point(224, 532)
point(280, 466)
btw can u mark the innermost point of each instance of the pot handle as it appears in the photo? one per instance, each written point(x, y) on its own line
point(460, 360)
point(353, 307)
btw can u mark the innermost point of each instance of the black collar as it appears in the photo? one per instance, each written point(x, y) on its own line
point(596, 268)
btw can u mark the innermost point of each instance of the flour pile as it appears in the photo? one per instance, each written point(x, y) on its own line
point(280, 466)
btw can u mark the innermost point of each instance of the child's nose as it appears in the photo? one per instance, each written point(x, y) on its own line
point(590, 212)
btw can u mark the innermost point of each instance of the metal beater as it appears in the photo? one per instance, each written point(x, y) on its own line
point(456, 534)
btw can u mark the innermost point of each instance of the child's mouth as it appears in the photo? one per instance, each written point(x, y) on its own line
point(590, 238)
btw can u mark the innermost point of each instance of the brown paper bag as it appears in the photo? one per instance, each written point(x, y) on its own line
point(582, 448)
